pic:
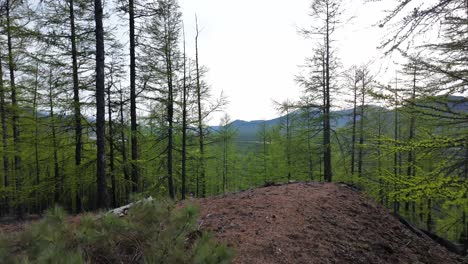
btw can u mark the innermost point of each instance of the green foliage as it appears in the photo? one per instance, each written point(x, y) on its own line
point(152, 232)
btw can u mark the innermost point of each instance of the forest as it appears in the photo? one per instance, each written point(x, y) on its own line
point(91, 122)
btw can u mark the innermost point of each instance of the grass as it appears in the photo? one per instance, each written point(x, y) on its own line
point(152, 232)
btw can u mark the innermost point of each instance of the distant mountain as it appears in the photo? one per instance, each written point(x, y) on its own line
point(247, 130)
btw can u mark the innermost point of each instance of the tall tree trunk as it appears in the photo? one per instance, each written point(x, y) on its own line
point(3, 117)
point(184, 125)
point(124, 147)
point(379, 160)
point(201, 183)
point(76, 108)
point(265, 166)
point(57, 178)
point(288, 143)
point(133, 114)
point(327, 130)
point(225, 156)
point(361, 127)
point(353, 139)
point(411, 170)
point(36, 143)
point(102, 194)
point(111, 146)
point(15, 117)
point(170, 115)
point(396, 204)
point(309, 145)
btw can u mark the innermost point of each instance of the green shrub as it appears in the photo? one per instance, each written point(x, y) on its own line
point(152, 232)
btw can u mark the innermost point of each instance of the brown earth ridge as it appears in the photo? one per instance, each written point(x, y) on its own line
point(315, 223)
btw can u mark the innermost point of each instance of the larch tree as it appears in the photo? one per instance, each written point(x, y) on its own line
point(162, 64)
point(185, 95)
point(366, 80)
point(326, 14)
point(133, 107)
point(201, 180)
point(102, 193)
point(15, 110)
point(352, 78)
point(76, 102)
point(3, 118)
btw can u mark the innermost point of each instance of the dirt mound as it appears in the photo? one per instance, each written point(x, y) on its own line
point(314, 223)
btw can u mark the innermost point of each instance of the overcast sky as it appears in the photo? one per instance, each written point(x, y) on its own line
point(252, 48)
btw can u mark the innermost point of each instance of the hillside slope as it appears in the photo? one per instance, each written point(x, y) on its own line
point(314, 223)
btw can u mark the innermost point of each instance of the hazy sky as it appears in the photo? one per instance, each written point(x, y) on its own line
point(253, 50)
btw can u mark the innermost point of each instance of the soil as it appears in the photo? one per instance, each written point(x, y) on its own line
point(314, 223)
point(306, 223)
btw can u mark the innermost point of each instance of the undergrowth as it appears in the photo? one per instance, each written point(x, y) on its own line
point(152, 232)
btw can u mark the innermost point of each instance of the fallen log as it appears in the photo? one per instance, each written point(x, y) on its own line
point(122, 211)
point(439, 240)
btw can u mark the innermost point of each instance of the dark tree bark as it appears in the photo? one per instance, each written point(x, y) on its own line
point(170, 128)
point(3, 117)
point(36, 142)
point(111, 145)
point(15, 116)
point(201, 182)
point(412, 131)
point(133, 115)
point(102, 194)
point(288, 142)
point(76, 106)
point(225, 163)
point(184, 124)
point(327, 128)
point(309, 144)
point(396, 204)
point(410, 170)
point(57, 178)
point(361, 124)
point(124, 147)
point(353, 139)
point(379, 160)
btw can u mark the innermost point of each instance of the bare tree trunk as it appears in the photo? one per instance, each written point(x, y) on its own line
point(3, 117)
point(309, 146)
point(288, 143)
point(111, 146)
point(102, 194)
point(124, 148)
point(36, 143)
point(361, 128)
point(133, 114)
point(379, 161)
point(76, 107)
point(202, 179)
point(225, 161)
point(184, 126)
point(170, 116)
point(353, 139)
point(57, 178)
point(265, 168)
point(411, 171)
point(15, 117)
point(326, 137)
point(396, 205)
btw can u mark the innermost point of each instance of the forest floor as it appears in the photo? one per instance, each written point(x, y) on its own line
point(307, 223)
point(314, 223)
